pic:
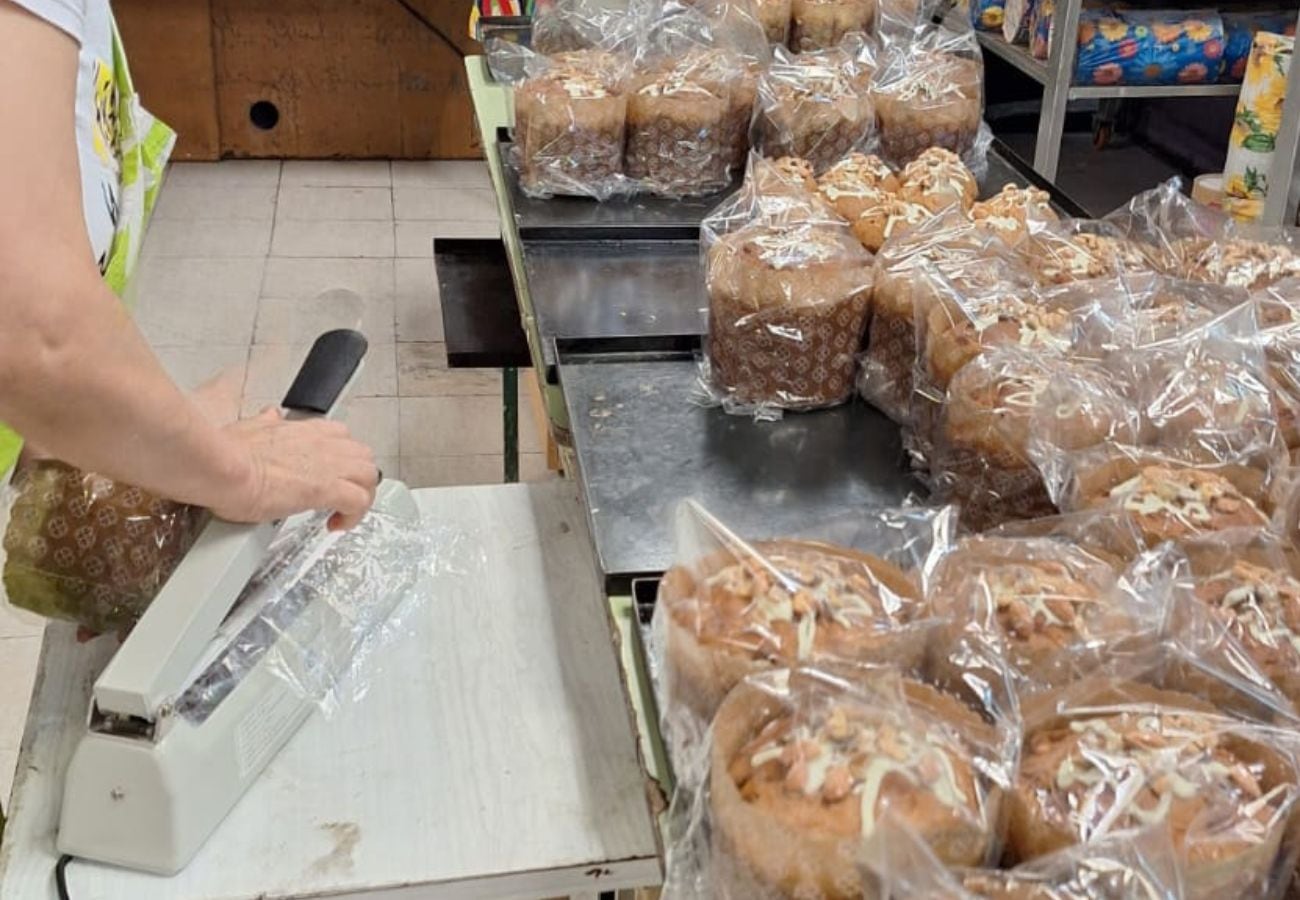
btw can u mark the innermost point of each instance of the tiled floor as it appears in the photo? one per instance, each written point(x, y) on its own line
point(246, 262)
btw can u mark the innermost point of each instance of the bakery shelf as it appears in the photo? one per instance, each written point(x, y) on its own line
point(1020, 57)
point(1056, 75)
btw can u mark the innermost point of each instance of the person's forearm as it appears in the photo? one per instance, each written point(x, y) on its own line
point(75, 368)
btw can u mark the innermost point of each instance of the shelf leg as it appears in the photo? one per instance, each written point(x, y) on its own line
point(510, 422)
point(1056, 92)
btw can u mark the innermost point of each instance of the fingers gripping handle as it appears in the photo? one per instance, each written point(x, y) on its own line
point(332, 364)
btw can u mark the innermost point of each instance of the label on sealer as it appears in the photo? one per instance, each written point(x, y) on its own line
point(265, 729)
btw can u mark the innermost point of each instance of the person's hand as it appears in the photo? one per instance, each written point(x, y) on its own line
point(295, 466)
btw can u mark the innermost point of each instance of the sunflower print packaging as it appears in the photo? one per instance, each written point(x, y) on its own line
point(1240, 29)
point(1254, 130)
point(987, 15)
point(1149, 47)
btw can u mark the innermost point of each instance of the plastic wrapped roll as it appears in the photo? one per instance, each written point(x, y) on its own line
point(1149, 47)
point(1253, 142)
point(570, 126)
point(82, 548)
point(822, 24)
point(1130, 756)
point(804, 768)
point(816, 106)
point(929, 92)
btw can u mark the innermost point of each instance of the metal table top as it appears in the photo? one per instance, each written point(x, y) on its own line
point(643, 446)
point(580, 217)
point(616, 294)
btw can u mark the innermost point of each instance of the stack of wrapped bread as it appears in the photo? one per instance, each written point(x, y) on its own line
point(667, 101)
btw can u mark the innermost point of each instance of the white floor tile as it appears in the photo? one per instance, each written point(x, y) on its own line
point(339, 239)
point(335, 173)
point(302, 319)
point(271, 368)
point(205, 203)
point(208, 239)
point(314, 204)
point(450, 426)
point(422, 372)
point(295, 279)
point(445, 471)
point(374, 421)
point(191, 367)
point(224, 174)
point(414, 239)
point(196, 302)
point(457, 173)
point(445, 204)
point(419, 304)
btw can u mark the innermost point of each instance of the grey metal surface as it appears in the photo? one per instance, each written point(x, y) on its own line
point(616, 290)
point(572, 216)
point(643, 446)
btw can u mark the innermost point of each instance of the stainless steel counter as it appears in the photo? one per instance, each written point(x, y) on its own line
point(643, 446)
point(614, 295)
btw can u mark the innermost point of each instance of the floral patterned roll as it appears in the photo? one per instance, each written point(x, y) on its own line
point(1254, 131)
point(1240, 29)
point(1149, 47)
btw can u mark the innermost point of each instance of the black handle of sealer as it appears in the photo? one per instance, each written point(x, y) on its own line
point(333, 360)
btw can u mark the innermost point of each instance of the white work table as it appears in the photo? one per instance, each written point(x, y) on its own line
point(492, 755)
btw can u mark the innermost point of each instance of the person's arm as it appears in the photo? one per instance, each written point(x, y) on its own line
point(77, 377)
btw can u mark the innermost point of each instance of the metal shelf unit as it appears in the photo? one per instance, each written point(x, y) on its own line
point(1056, 75)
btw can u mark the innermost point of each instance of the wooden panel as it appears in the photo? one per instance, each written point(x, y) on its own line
point(350, 78)
point(169, 46)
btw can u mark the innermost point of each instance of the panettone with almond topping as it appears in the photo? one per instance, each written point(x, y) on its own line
point(798, 782)
point(857, 183)
point(1226, 794)
point(788, 307)
point(794, 602)
point(1051, 608)
point(1169, 503)
point(938, 179)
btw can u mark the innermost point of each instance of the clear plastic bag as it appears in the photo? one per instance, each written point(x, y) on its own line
point(1079, 250)
point(563, 26)
point(571, 123)
point(959, 328)
point(848, 589)
point(691, 101)
point(804, 766)
point(816, 106)
point(1010, 211)
point(321, 604)
point(1049, 610)
point(929, 92)
point(1166, 495)
point(1189, 240)
point(822, 24)
point(913, 271)
point(1136, 865)
point(775, 17)
point(82, 548)
point(998, 409)
point(1240, 592)
point(1110, 754)
point(789, 290)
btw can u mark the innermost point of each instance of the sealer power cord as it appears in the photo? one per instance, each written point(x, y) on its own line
point(61, 876)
